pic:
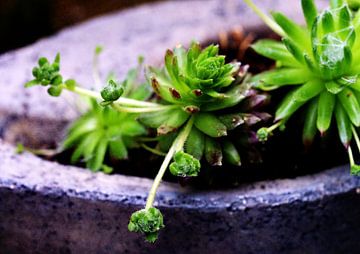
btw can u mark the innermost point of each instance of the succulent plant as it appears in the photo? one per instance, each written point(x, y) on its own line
point(200, 99)
point(103, 130)
point(320, 61)
point(206, 98)
point(100, 130)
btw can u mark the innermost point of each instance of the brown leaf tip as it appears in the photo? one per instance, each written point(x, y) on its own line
point(192, 109)
point(197, 92)
point(155, 85)
point(175, 94)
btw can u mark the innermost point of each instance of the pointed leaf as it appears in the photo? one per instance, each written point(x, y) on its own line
point(231, 155)
point(213, 152)
point(274, 50)
point(274, 79)
point(325, 110)
point(297, 98)
point(195, 143)
point(343, 124)
point(117, 149)
point(310, 12)
point(210, 125)
point(309, 131)
point(350, 105)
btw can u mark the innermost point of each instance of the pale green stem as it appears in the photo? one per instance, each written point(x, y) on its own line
point(274, 126)
point(267, 20)
point(351, 157)
point(153, 150)
point(120, 101)
point(42, 152)
point(141, 110)
point(176, 146)
point(357, 140)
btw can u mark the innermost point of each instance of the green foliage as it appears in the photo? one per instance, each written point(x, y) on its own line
point(200, 100)
point(197, 79)
point(147, 221)
point(103, 130)
point(99, 131)
point(354, 4)
point(321, 64)
point(184, 165)
point(199, 83)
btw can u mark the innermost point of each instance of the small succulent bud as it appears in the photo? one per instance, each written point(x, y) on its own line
point(147, 221)
point(262, 134)
point(54, 91)
point(46, 74)
point(112, 91)
point(185, 165)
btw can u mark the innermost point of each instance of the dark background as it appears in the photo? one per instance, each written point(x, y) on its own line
point(24, 21)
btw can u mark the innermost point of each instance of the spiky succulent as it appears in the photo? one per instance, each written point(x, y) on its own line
point(102, 130)
point(199, 84)
point(320, 61)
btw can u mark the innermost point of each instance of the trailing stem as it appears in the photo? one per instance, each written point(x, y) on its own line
point(120, 101)
point(355, 169)
point(175, 147)
point(263, 133)
point(267, 20)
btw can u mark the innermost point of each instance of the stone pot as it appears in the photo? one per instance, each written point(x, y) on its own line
point(50, 208)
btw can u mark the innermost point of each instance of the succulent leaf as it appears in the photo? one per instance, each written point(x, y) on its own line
point(310, 127)
point(231, 155)
point(210, 125)
point(213, 152)
point(195, 143)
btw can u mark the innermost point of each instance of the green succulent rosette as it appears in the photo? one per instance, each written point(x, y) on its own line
point(199, 83)
point(104, 131)
point(321, 64)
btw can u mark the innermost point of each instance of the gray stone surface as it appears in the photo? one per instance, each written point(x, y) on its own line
point(49, 208)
